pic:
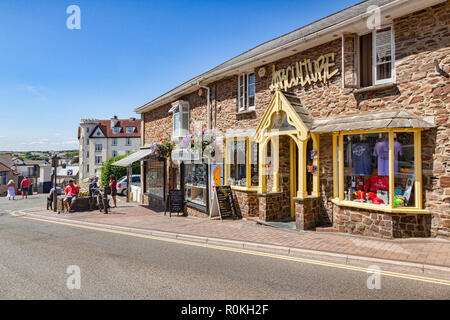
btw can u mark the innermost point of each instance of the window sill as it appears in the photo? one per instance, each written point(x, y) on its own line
point(242, 188)
point(246, 111)
point(376, 207)
point(375, 87)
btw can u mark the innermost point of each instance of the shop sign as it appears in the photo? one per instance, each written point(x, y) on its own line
point(225, 202)
point(304, 73)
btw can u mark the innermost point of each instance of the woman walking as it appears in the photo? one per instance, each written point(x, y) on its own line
point(113, 187)
point(11, 186)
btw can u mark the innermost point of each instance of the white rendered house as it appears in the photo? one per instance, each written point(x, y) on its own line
point(100, 140)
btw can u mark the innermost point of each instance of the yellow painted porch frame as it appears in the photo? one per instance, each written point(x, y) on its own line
point(338, 172)
point(278, 104)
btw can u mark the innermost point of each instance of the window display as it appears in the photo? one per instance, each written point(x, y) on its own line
point(155, 178)
point(242, 162)
point(366, 168)
point(194, 180)
point(404, 193)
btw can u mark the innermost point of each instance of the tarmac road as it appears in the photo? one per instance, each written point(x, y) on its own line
point(35, 255)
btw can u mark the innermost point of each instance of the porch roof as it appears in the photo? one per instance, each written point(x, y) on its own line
point(370, 121)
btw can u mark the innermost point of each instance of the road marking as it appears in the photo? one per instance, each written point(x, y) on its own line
point(245, 251)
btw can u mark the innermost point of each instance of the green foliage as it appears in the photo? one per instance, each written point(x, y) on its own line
point(72, 154)
point(108, 169)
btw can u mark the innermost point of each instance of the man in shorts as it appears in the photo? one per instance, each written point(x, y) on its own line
point(25, 186)
point(70, 196)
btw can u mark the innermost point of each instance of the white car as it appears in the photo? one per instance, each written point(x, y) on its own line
point(123, 182)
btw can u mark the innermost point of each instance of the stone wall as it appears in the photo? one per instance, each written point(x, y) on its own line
point(247, 203)
point(380, 224)
point(270, 206)
point(307, 212)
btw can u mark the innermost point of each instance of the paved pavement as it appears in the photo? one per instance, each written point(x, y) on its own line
point(434, 252)
point(35, 256)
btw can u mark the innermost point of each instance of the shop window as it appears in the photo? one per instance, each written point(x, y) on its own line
point(246, 92)
point(194, 181)
point(180, 111)
point(376, 57)
point(242, 158)
point(155, 179)
point(367, 170)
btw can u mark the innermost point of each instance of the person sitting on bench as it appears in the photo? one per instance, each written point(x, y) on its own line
point(71, 196)
point(50, 196)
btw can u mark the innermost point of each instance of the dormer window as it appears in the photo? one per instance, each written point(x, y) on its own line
point(180, 110)
point(116, 130)
point(131, 129)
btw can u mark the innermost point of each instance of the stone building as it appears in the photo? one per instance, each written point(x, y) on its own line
point(342, 125)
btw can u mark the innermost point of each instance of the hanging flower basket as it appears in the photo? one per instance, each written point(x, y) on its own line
point(163, 149)
point(200, 143)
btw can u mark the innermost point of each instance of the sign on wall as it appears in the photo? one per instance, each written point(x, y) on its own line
point(304, 73)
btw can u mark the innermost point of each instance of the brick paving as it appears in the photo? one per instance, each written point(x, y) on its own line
point(423, 251)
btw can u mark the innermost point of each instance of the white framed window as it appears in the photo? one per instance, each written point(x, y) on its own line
point(131, 129)
point(376, 52)
point(115, 153)
point(383, 55)
point(98, 147)
point(114, 142)
point(246, 92)
point(128, 142)
point(180, 110)
point(98, 160)
point(116, 130)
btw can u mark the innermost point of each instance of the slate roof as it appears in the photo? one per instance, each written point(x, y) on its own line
point(296, 104)
point(372, 120)
point(314, 27)
point(7, 161)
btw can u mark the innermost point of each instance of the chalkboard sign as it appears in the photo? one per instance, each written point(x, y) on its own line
point(175, 202)
point(225, 202)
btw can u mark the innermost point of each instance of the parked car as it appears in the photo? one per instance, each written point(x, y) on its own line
point(123, 182)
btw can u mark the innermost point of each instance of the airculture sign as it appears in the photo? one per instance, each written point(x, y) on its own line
point(304, 73)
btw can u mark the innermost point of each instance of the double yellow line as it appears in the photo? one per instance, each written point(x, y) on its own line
point(249, 252)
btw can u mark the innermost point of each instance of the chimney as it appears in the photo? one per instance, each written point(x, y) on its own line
point(132, 118)
point(114, 121)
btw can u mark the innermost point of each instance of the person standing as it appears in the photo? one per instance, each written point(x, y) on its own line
point(11, 186)
point(25, 186)
point(113, 187)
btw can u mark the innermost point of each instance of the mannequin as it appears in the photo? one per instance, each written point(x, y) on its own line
point(381, 151)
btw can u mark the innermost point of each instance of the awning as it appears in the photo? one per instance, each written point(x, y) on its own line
point(370, 121)
point(137, 156)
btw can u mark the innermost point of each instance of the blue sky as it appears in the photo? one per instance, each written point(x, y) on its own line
point(125, 54)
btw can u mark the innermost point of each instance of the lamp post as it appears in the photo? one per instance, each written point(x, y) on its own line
point(55, 160)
